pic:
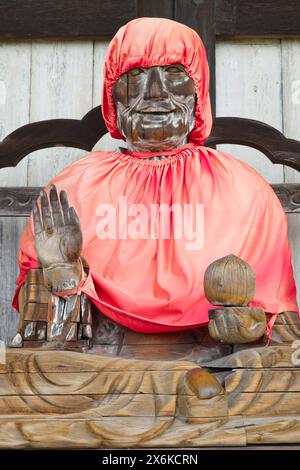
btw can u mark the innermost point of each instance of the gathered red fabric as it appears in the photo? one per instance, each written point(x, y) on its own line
point(145, 42)
point(153, 283)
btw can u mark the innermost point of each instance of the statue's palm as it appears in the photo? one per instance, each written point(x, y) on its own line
point(58, 236)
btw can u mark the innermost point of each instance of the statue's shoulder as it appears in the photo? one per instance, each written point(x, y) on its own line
point(93, 158)
point(242, 171)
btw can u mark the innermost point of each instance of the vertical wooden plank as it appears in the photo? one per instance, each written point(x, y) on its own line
point(249, 85)
point(155, 8)
point(100, 48)
point(61, 87)
point(200, 15)
point(14, 112)
point(291, 128)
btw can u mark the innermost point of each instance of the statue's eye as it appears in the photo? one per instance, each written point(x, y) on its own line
point(135, 72)
point(174, 69)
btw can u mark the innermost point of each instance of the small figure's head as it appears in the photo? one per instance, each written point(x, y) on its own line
point(156, 79)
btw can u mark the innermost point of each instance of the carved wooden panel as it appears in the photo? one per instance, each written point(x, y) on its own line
point(256, 134)
point(85, 133)
point(289, 196)
point(18, 201)
point(82, 134)
point(67, 399)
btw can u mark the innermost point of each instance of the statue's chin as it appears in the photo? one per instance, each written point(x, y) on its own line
point(155, 140)
point(145, 145)
point(154, 133)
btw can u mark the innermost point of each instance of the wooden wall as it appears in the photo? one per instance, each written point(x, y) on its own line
point(257, 79)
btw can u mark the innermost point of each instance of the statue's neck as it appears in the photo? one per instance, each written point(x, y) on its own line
point(133, 148)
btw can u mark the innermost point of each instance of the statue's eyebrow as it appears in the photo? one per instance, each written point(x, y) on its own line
point(180, 66)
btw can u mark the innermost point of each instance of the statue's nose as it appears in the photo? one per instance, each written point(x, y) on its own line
point(154, 87)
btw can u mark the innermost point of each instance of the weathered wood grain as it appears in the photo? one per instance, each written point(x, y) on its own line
point(287, 318)
point(181, 337)
point(285, 334)
point(248, 84)
point(201, 17)
point(291, 116)
point(264, 404)
point(18, 201)
point(275, 357)
point(14, 112)
point(109, 405)
point(118, 432)
point(65, 18)
point(59, 89)
point(272, 430)
point(89, 383)
point(18, 360)
point(97, 401)
point(32, 432)
point(248, 18)
point(264, 380)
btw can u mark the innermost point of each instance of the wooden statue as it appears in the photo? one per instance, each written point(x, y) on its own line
point(192, 388)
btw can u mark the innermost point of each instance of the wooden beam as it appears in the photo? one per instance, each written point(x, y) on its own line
point(200, 15)
point(271, 18)
point(18, 201)
point(66, 19)
point(79, 19)
point(74, 19)
point(155, 8)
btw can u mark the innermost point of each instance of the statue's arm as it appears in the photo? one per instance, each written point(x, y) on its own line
point(52, 308)
point(47, 318)
point(229, 285)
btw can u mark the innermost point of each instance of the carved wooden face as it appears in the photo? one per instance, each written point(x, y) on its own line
point(155, 107)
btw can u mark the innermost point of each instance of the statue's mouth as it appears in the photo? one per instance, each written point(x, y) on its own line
point(156, 112)
point(154, 116)
point(155, 107)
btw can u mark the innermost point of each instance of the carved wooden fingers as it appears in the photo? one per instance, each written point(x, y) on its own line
point(58, 236)
point(235, 325)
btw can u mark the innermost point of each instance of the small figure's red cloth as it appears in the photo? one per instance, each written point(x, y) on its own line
point(155, 285)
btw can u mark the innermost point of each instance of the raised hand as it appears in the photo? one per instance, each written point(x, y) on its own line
point(58, 242)
point(58, 236)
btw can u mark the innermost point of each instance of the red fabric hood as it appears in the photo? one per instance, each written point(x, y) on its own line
point(146, 42)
